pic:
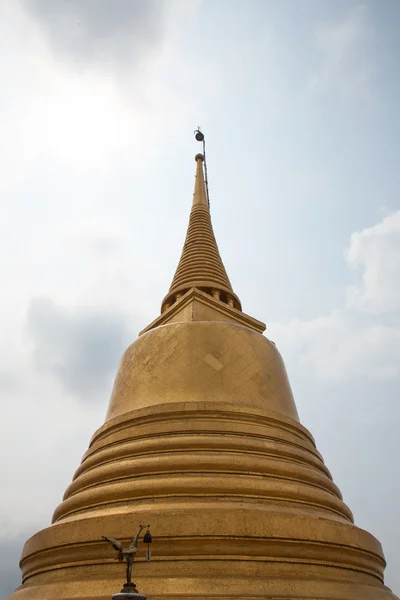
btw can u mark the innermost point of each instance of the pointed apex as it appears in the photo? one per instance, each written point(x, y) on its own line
point(201, 265)
point(200, 192)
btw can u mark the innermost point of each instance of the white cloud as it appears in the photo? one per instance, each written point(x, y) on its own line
point(78, 348)
point(99, 234)
point(377, 251)
point(86, 119)
point(38, 422)
point(338, 40)
point(54, 388)
point(344, 67)
point(339, 346)
point(349, 342)
point(95, 31)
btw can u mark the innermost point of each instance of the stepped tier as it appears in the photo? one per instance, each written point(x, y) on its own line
point(203, 441)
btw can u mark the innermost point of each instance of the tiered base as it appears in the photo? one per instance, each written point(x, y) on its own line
point(240, 505)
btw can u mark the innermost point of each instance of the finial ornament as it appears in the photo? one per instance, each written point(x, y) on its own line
point(128, 555)
point(199, 135)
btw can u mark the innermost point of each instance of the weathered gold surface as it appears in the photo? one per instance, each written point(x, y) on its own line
point(202, 439)
point(198, 362)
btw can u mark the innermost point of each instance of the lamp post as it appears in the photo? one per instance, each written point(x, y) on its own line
point(127, 555)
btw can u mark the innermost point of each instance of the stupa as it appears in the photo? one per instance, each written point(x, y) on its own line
point(202, 439)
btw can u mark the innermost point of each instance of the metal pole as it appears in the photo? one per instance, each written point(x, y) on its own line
point(199, 135)
point(205, 172)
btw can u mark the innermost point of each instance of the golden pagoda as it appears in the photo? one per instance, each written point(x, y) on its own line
point(202, 439)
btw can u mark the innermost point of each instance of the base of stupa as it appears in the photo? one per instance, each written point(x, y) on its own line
point(129, 592)
point(128, 596)
point(240, 503)
point(213, 589)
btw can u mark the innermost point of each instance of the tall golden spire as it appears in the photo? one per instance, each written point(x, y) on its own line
point(201, 265)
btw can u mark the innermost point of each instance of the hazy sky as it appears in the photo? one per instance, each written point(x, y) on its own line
point(299, 103)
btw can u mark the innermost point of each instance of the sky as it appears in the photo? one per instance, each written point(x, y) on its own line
point(299, 104)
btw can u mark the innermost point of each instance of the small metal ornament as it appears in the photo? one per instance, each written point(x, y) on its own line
point(199, 135)
point(128, 554)
point(147, 540)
